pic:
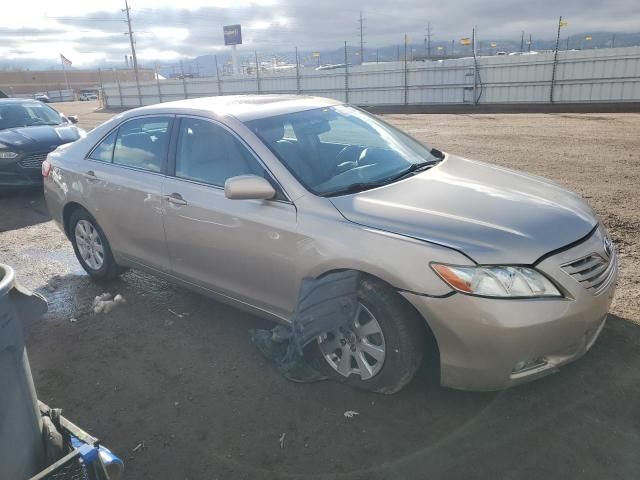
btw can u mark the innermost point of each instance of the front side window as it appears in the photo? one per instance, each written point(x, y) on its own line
point(208, 153)
point(341, 149)
point(142, 143)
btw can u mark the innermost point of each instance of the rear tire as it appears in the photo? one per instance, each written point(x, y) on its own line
point(402, 338)
point(91, 246)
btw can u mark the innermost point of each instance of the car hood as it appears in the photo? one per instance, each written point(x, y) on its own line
point(38, 138)
point(490, 213)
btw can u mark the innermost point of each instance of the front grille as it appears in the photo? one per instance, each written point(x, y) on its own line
point(34, 160)
point(594, 272)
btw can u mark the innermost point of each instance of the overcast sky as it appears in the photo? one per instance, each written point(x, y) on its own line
point(89, 32)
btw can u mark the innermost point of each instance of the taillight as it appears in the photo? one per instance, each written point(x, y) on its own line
point(46, 168)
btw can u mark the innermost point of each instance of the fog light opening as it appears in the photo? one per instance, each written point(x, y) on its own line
point(526, 365)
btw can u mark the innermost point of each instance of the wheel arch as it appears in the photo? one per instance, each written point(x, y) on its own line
point(67, 211)
point(430, 338)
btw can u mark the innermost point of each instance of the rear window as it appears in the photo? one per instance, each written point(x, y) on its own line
point(142, 143)
point(104, 150)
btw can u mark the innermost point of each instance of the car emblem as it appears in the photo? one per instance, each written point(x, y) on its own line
point(608, 246)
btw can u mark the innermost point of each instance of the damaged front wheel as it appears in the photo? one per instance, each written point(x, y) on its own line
point(356, 350)
point(381, 349)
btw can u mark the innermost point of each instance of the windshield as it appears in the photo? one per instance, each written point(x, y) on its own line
point(340, 149)
point(14, 115)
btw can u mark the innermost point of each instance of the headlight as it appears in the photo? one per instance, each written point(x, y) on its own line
point(6, 154)
point(497, 281)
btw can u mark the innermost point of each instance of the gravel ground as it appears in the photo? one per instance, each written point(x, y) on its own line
point(176, 371)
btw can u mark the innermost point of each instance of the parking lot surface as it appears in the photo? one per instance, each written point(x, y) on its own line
point(176, 372)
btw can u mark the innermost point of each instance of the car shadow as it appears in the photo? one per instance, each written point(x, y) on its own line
point(174, 355)
point(22, 208)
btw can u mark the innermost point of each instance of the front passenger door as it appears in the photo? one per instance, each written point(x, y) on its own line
point(244, 249)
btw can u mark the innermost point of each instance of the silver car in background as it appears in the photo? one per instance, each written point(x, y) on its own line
point(504, 275)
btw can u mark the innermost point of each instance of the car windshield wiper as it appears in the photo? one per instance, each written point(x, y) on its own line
point(416, 167)
point(354, 188)
point(359, 187)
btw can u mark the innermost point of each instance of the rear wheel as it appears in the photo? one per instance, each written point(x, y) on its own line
point(381, 349)
point(91, 246)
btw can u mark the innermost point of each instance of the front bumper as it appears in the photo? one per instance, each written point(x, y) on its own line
point(23, 171)
point(490, 344)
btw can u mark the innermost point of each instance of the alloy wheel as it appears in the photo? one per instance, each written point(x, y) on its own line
point(358, 349)
point(89, 244)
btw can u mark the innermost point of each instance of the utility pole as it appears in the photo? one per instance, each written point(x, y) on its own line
point(131, 41)
point(427, 40)
point(613, 41)
point(522, 42)
point(555, 60)
point(361, 21)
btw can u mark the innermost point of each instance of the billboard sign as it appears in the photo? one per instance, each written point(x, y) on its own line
point(232, 35)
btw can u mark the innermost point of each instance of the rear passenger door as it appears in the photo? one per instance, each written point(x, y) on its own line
point(123, 184)
point(244, 249)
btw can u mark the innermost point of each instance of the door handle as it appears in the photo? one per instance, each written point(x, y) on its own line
point(176, 199)
point(91, 176)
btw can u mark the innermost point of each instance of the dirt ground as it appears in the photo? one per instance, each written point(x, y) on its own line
point(176, 371)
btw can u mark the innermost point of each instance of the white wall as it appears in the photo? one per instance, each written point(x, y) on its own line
point(604, 75)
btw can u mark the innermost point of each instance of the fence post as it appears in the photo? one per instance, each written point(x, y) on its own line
point(346, 74)
point(184, 81)
point(138, 86)
point(555, 61)
point(119, 88)
point(215, 57)
point(297, 73)
point(158, 85)
point(406, 71)
point(101, 96)
point(257, 72)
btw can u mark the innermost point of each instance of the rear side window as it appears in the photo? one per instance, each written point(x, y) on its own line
point(104, 150)
point(142, 143)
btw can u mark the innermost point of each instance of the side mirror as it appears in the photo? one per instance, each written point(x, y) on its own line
point(247, 187)
point(73, 119)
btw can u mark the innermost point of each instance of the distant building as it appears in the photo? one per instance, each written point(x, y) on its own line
point(28, 82)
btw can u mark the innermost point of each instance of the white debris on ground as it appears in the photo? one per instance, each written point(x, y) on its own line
point(350, 413)
point(106, 302)
point(140, 446)
point(282, 440)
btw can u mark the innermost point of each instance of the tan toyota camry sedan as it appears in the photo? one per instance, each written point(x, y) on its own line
point(506, 276)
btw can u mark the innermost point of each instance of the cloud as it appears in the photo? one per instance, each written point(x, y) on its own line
point(90, 32)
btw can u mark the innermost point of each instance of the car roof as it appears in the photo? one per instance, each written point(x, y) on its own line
point(243, 107)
